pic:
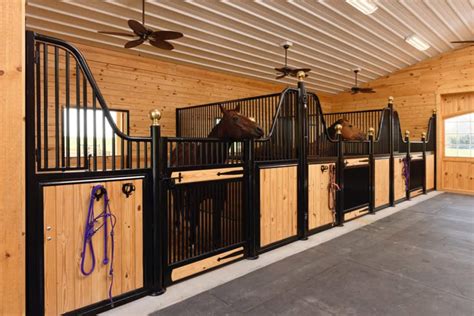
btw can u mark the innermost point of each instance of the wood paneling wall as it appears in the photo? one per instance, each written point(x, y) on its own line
point(278, 204)
point(414, 88)
point(12, 158)
point(65, 211)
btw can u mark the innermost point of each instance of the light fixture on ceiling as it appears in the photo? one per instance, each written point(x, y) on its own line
point(417, 42)
point(364, 6)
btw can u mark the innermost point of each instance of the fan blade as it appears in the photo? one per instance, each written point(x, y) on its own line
point(117, 33)
point(285, 70)
point(161, 44)
point(166, 35)
point(366, 90)
point(355, 90)
point(137, 27)
point(280, 76)
point(134, 43)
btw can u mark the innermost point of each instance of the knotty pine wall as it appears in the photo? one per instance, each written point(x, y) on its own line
point(414, 88)
point(12, 158)
point(141, 84)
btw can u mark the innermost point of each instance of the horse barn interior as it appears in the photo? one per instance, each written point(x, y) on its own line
point(210, 157)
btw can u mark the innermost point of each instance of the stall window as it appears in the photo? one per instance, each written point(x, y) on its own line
point(459, 136)
point(73, 131)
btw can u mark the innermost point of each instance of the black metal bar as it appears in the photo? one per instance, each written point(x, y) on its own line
point(252, 219)
point(160, 210)
point(371, 174)
point(34, 218)
point(302, 151)
point(36, 59)
point(391, 159)
point(68, 105)
point(84, 100)
point(423, 139)
point(78, 114)
point(104, 143)
point(408, 164)
point(340, 165)
point(435, 148)
point(94, 131)
point(45, 104)
point(56, 105)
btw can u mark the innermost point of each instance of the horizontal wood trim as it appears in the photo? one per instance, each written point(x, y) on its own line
point(182, 177)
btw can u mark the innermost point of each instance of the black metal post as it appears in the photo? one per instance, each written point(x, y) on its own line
point(252, 220)
point(302, 145)
point(391, 160)
point(340, 165)
point(423, 139)
point(408, 165)
point(158, 209)
point(34, 212)
point(434, 134)
point(371, 172)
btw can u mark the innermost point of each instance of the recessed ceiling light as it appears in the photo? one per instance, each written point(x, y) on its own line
point(417, 42)
point(364, 6)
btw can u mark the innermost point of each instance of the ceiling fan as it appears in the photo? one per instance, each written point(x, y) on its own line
point(356, 89)
point(155, 38)
point(287, 70)
point(464, 42)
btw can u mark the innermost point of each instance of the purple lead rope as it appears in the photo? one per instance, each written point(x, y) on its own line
point(90, 230)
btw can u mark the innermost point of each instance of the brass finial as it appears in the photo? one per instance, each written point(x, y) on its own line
point(301, 75)
point(423, 135)
point(407, 134)
point(390, 100)
point(434, 111)
point(371, 131)
point(252, 119)
point(338, 128)
point(155, 116)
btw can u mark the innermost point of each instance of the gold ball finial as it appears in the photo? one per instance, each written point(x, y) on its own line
point(434, 111)
point(407, 134)
point(371, 131)
point(390, 100)
point(423, 135)
point(155, 116)
point(301, 75)
point(252, 119)
point(338, 128)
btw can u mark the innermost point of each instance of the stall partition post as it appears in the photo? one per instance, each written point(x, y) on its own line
point(423, 139)
point(371, 171)
point(435, 149)
point(302, 145)
point(391, 160)
point(159, 208)
point(340, 177)
point(252, 221)
point(407, 165)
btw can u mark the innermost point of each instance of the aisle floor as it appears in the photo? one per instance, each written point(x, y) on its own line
point(419, 261)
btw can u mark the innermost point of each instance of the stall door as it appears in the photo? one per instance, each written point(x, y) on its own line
point(65, 211)
point(456, 139)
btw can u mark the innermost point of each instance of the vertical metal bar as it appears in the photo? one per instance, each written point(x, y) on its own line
point(104, 143)
point(45, 104)
point(56, 105)
point(38, 106)
point(68, 105)
point(113, 150)
point(302, 151)
point(84, 100)
point(340, 165)
point(78, 113)
point(391, 151)
point(371, 174)
point(94, 130)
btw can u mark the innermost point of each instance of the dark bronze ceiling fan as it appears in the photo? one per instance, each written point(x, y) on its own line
point(287, 70)
point(464, 42)
point(356, 89)
point(155, 38)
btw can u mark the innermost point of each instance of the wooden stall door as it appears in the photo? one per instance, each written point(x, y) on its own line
point(319, 210)
point(278, 204)
point(382, 182)
point(456, 174)
point(398, 179)
point(65, 211)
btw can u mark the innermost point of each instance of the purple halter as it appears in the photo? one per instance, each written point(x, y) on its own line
point(106, 215)
point(406, 172)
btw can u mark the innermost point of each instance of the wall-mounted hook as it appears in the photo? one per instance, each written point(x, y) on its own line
point(128, 189)
point(324, 168)
point(99, 193)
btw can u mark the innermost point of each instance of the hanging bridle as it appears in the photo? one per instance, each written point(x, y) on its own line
point(90, 229)
point(333, 187)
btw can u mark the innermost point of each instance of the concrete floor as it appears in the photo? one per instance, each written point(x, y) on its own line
point(419, 261)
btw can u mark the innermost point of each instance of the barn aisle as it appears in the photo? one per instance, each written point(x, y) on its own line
point(419, 261)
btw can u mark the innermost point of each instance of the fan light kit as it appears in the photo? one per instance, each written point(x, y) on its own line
point(417, 42)
point(365, 6)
